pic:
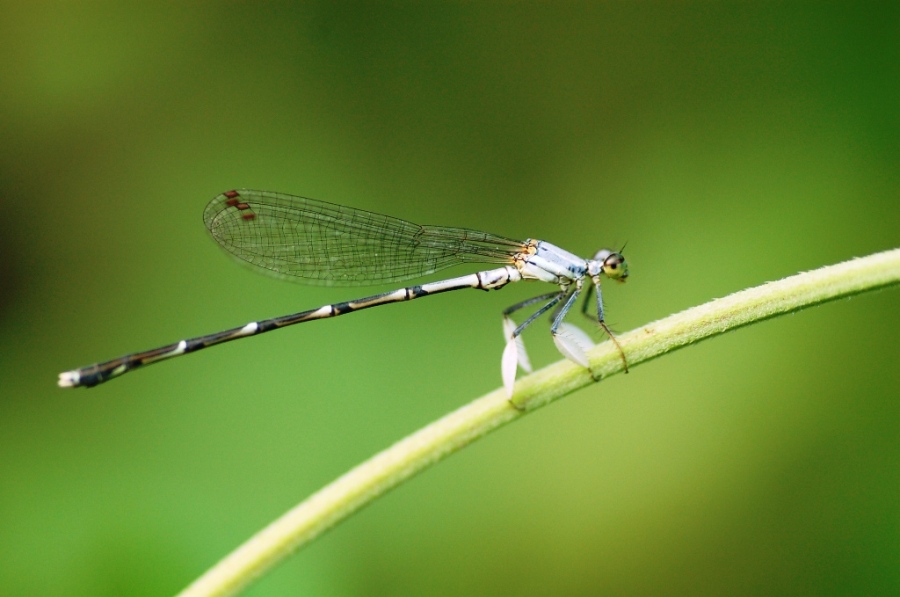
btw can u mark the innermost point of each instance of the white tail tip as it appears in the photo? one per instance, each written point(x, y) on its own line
point(69, 379)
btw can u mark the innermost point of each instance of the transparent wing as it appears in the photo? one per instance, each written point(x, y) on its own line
point(334, 245)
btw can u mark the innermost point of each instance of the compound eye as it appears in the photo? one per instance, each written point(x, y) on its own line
point(615, 267)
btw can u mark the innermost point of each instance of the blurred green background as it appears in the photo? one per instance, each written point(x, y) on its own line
point(728, 144)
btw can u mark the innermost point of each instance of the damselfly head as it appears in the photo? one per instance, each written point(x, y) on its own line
point(613, 264)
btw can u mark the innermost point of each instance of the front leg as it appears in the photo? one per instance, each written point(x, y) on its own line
point(603, 325)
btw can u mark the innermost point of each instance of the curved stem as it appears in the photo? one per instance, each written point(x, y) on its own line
point(386, 470)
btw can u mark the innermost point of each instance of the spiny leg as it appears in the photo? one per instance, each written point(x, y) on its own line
point(602, 323)
point(556, 297)
point(528, 302)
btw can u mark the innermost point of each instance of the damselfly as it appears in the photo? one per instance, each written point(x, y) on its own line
point(332, 245)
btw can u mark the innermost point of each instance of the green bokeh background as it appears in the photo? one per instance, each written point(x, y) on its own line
point(729, 144)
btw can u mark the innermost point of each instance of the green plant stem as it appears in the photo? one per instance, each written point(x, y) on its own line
point(427, 446)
